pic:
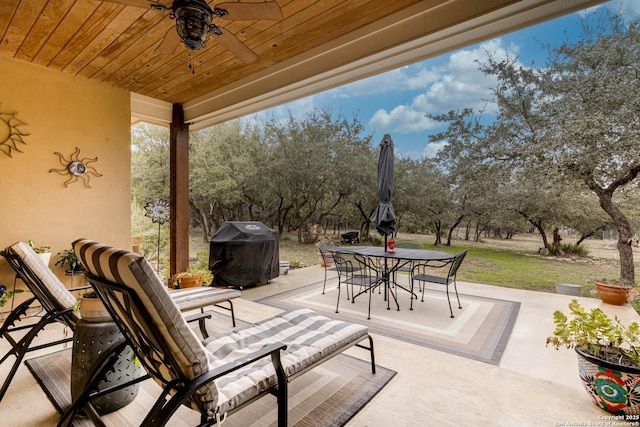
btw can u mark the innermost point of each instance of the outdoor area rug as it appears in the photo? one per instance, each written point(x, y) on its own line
point(328, 395)
point(479, 331)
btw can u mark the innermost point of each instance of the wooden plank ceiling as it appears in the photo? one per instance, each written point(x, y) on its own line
point(115, 44)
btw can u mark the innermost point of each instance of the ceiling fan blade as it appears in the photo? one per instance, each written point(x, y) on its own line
point(269, 11)
point(169, 43)
point(146, 4)
point(232, 43)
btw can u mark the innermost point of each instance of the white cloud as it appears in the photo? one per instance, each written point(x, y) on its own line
point(402, 119)
point(432, 148)
point(457, 85)
point(401, 79)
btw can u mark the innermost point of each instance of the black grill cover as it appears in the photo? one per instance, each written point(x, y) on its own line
point(244, 253)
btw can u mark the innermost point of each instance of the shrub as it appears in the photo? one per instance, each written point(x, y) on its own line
point(568, 248)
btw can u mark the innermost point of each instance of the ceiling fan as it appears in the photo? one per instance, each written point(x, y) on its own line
point(194, 23)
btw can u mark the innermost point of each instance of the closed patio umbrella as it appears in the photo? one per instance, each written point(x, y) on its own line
point(384, 218)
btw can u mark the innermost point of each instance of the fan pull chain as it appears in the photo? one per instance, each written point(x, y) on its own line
point(192, 67)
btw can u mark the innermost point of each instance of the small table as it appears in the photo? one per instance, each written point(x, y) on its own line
point(399, 258)
point(90, 339)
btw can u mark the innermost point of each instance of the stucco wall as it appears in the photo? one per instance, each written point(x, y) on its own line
point(61, 112)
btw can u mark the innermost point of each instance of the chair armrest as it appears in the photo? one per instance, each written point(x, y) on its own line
point(197, 316)
point(80, 288)
point(432, 264)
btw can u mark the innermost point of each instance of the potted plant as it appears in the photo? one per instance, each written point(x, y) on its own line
point(91, 308)
point(69, 257)
point(614, 292)
point(608, 356)
point(44, 252)
point(192, 277)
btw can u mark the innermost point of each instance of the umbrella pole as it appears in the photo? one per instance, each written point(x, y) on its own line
point(386, 275)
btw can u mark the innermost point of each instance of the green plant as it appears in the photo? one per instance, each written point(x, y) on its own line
point(39, 249)
point(68, 256)
point(6, 295)
point(597, 334)
point(202, 260)
point(568, 249)
point(296, 264)
point(195, 271)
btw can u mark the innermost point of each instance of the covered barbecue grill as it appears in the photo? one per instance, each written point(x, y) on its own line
point(244, 253)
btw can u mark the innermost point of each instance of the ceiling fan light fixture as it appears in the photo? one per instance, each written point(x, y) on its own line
point(193, 22)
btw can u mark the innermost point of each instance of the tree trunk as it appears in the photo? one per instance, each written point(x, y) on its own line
point(453, 227)
point(585, 236)
point(206, 229)
point(540, 228)
point(627, 271)
point(605, 197)
point(438, 226)
point(537, 224)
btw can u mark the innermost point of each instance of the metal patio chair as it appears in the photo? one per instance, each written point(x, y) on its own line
point(408, 244)
point(421, 273)
point(327, 257)
point(356, 270)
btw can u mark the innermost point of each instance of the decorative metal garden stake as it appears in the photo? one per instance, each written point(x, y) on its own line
point(158, 211)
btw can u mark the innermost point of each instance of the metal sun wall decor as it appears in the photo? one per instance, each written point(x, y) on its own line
point(10, 134)
point(158, 210)
point(76, 168)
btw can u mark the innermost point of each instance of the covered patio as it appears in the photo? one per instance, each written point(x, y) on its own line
point(78, 73)
point(530, 386)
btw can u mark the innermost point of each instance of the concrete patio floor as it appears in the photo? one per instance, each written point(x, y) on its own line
point(532, 386)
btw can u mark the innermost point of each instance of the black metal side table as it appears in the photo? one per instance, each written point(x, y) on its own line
point(90, 339)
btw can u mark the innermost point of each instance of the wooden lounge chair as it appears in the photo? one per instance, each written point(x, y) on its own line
point(57, 306)
point(221, 374)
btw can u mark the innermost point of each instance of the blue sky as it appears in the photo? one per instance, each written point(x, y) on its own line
point(396, 102)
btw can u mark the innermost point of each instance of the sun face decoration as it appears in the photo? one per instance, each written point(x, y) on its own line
point(76, 168)
point(10, 134)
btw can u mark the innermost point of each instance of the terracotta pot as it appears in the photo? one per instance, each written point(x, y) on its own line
point(190, 282)
point(136, 241)
point(614, 388)
point(613, 294)
point(93, 310)
point(326, 260)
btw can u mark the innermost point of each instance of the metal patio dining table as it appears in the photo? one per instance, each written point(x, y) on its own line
point(393, 261)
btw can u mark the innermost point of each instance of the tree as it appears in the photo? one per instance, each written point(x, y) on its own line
point(222, 170)
point(316, 163)
point(149, 163)
point(577, 118)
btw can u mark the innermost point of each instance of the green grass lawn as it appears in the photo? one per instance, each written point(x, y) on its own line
point(515, 269)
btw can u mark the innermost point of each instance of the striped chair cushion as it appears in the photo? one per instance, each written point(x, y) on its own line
point(310, 338)
point(53, 286)
point(133, 270)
